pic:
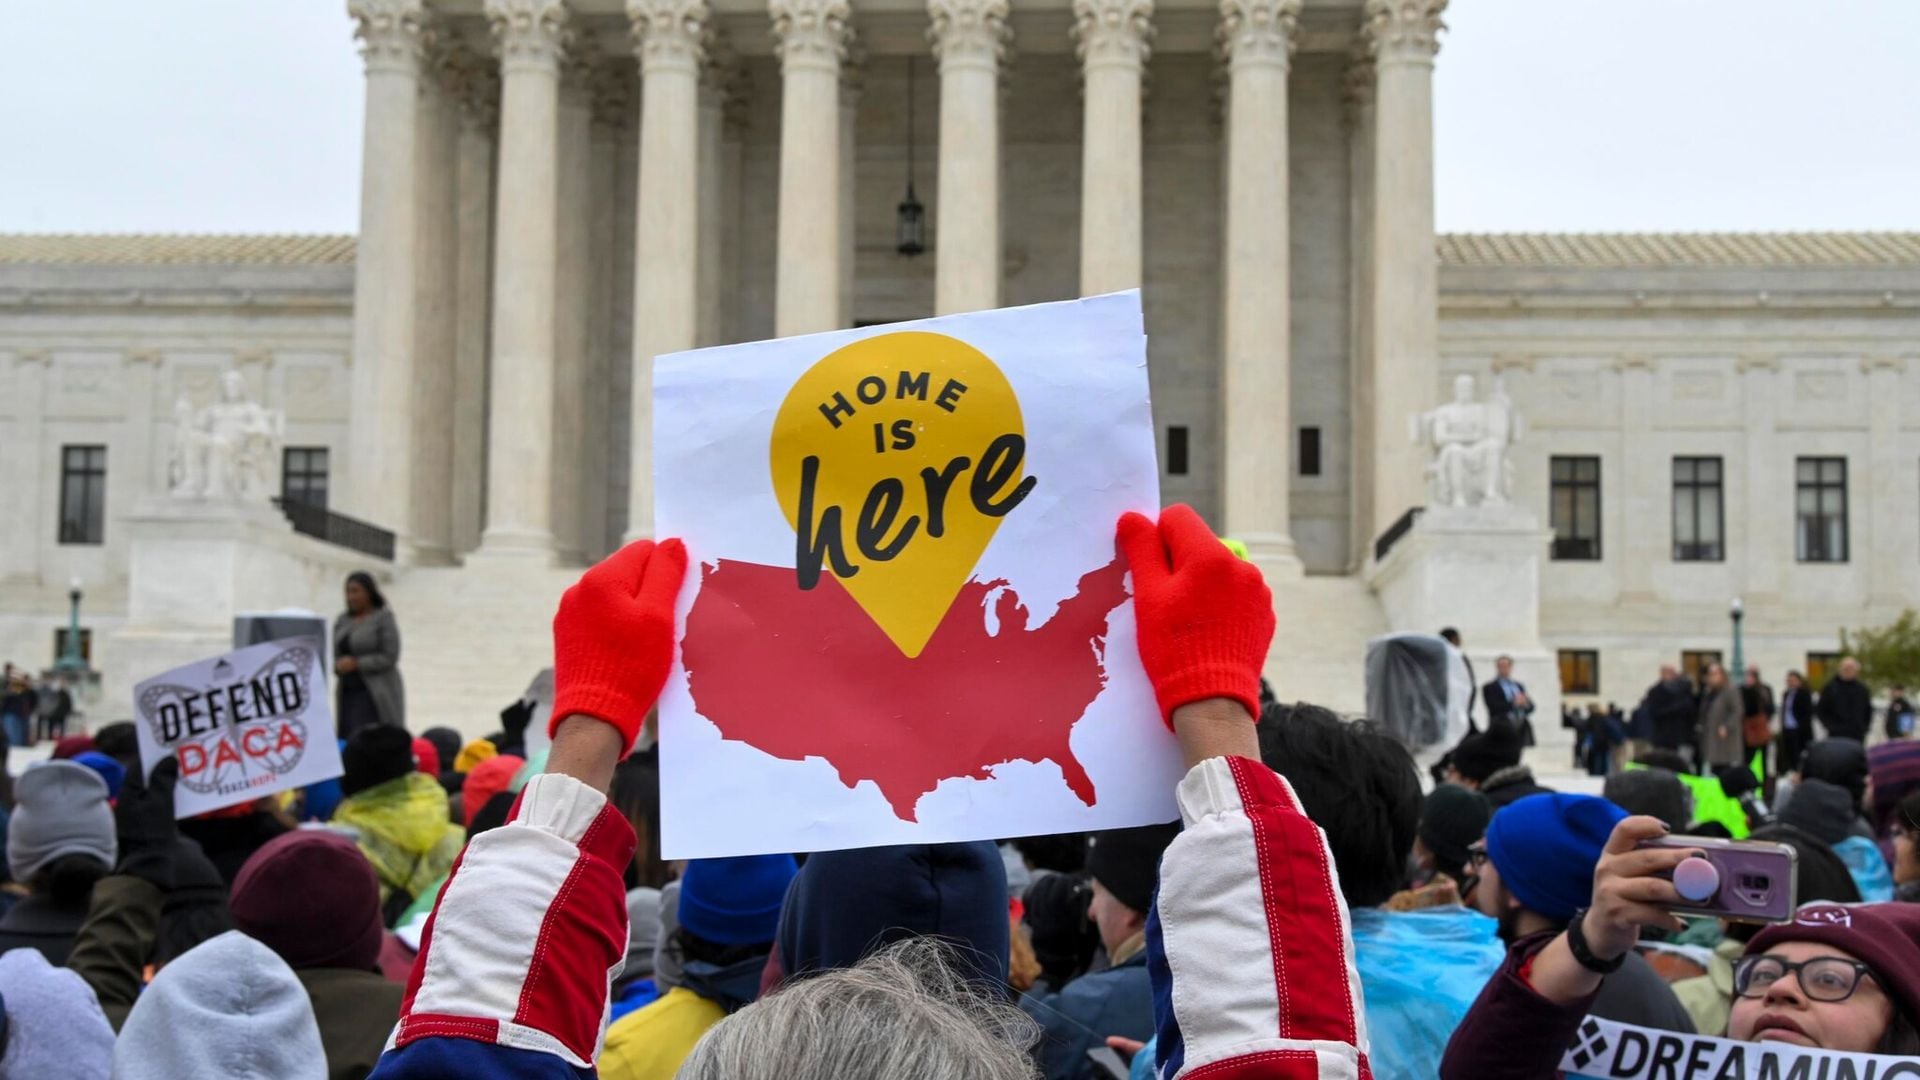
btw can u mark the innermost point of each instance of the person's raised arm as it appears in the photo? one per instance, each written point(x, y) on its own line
point(1247, 943)
point(518, 958)
point(1526, 1016)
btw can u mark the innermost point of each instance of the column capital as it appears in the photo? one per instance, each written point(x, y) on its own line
point(393, 34)
point(969, 32)
point(1403, 30)
point(1113, 32)
point(670, 35)
point(1259, 32)
point(1357, 86)
point(811, 33)
point(530, 33)
point(472, 81)
point(611, 89)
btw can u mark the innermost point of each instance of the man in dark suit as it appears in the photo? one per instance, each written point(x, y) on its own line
point(1796, 721)
point(1508, 706)
point(1846, 705)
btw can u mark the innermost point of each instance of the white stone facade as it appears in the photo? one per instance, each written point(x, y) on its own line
point(557, 191)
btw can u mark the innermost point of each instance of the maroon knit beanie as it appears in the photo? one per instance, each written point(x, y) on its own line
point(311, 897)
point(1886, 937)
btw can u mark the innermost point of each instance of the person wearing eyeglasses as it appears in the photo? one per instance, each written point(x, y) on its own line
point(1840, 977)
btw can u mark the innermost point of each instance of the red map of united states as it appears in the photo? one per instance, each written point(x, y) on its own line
point(808, 674)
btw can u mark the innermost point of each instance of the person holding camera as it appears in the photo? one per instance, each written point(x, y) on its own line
point(1838, 977)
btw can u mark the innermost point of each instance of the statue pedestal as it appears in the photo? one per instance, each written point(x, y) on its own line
point(1478, 569)
point(193, 564)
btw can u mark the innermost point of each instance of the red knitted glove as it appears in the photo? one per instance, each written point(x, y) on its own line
point(1205, 615)
point(613, 636)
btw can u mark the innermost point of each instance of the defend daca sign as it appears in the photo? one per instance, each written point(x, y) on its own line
point(245, 724)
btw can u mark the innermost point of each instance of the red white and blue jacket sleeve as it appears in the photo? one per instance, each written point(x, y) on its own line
point(1249, 944)
point(521, 952)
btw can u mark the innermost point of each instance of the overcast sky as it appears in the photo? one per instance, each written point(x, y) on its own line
point(244, 115)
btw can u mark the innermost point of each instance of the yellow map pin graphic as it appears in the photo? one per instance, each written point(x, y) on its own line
point(894, 459)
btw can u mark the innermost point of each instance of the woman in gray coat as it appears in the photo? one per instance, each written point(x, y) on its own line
point(366, 656)
point(1722, 713)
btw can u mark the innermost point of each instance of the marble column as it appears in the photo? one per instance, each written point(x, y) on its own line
point(852, 82)
point(811, 38)
point(610, 233)
point(717, 76)
point(472, 290)
point(1359, 131)
point(142, 374)
point(572, 270)
point(393, 38)
point(670, 41)
point(1256, 38)
point(970, 39)
point(1403, 36)
point(435, 314)
point(1113, 38)
point(532, 36)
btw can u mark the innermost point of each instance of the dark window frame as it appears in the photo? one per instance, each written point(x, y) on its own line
point(1810, 530)
point(1695, 662)
point(1308, 447)
point(1179, 450)
point(83, 465)
point(1575, 539)
point(1691, 488)
point(297, 483)
point(1590, 658)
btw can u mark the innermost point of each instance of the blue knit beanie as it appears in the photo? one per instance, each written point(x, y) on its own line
point(1546, 846)
point(735, 901)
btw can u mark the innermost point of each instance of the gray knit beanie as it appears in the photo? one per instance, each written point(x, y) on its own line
point(60, 808)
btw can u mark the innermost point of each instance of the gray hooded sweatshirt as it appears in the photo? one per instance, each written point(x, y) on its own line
point(228, 1009)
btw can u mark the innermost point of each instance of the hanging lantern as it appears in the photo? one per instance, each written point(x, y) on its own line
point(911, 217)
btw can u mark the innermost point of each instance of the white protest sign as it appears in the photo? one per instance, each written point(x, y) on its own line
point(250, 723)
point(905, 620)
point(1604, 1050)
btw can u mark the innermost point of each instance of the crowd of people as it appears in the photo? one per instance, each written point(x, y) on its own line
point(453, 908)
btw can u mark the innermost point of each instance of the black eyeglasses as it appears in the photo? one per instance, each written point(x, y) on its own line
point(1823, 978)
point(1477, 857)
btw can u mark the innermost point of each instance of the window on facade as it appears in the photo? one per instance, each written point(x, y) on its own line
point(83, 494)
point(1821, 666)
point(1820, 509)
point(1575, 509)
point(1579, 671)
point(60, 643)
point(1309, 451)
point(1699, 513)
point(1177, 450)
point(1695, 662)
point(303, 475)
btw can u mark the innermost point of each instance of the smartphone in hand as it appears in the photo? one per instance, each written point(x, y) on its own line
point(1742, 880)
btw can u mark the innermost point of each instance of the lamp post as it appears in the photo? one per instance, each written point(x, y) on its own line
point(1737, 611)
point(71, 664)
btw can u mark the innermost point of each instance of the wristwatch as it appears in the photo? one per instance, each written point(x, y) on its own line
point(1583, 954)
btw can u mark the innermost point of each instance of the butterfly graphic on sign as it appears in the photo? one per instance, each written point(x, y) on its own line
point(238, 730)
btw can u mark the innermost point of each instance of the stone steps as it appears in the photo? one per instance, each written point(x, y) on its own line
point(1320, 641)
point(474, 636)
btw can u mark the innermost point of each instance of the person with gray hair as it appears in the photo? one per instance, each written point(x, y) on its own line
point(908, 1010)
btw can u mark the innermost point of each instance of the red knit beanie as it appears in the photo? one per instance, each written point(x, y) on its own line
point(1885, 937)
point(426, 757)
point(311, 897)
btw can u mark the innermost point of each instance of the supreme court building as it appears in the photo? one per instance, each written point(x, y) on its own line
point(555, 191)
